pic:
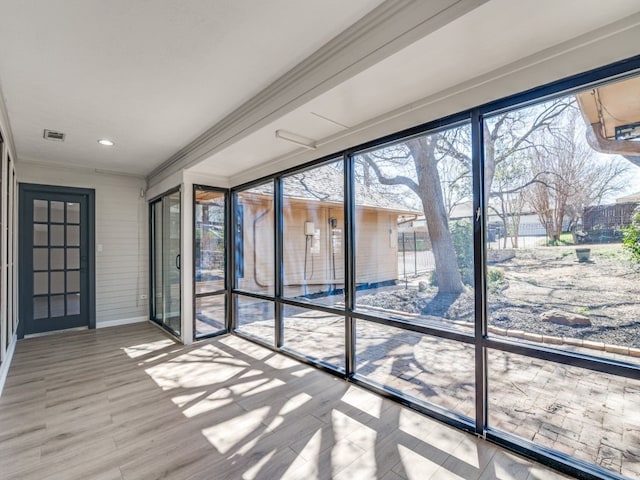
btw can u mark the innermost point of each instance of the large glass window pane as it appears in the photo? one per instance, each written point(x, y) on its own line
point(256, 317)
point(156, 255)
point(315, 334)
point(313, 234)
point(414, 231)
point(209, 252)
point(255, 239)
point(563, 192)
point(427, 368)
point(590, 415)
point(171, 260)
point(210, 314)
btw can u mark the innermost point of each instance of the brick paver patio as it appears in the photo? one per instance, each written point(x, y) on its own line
point(593, 416)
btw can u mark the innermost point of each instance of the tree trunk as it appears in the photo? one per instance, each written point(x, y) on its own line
point(448, 275)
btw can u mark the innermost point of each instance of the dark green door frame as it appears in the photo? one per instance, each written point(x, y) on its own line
point(87, 262)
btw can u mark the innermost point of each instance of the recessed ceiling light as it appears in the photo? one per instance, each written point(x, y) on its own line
point(105, 142)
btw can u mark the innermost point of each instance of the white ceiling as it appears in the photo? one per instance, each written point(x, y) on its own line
point(155, 74)
point(149, 74)
point(483, 40)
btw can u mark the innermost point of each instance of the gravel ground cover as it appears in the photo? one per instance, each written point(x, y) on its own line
point(605, 290)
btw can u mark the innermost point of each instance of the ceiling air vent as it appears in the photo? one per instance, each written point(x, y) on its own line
point(54, 136)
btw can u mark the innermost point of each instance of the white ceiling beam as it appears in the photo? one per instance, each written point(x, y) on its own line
point(387, 29)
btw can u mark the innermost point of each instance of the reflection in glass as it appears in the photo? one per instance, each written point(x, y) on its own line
point(313, 240)
point(73, 212)
point(40, 213)
point(427, 368)
point(166, 261)
point(256, 317)
point(73, 304)
point(40, 259)
point(57, 212)
point(157, 280)
point(209, 240)
point(40, 307)
point(210, 315)
point(73, 258)
point(558, 274)
point(57, 258)
point(40, 283)
point(57, 282)
point(315, 334)
point(255, 238)
point(40, 234)
point(73, 235)
point(171, 214)
point(57, 235)
point(414, 235)
point(73, 281)
point(57, 305)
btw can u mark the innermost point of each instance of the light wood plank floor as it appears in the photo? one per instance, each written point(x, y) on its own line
point(129, 403)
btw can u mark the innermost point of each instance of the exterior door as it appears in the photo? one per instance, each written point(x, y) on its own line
point(57, 289)
point(165, 261)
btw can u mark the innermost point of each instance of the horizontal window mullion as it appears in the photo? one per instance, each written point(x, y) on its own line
point(210, 294)
point(312, 306)
point(414, 327)
point(574, 359)
point(259, 296)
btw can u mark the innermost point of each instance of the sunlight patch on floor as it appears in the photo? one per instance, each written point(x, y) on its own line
point(137, 351)
point(366, 401)
point(226, 435)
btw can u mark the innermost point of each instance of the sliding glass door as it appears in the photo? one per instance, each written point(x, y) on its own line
point(165, 261)
point(209, 250)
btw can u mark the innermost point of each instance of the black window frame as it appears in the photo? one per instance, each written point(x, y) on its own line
point(480, 339)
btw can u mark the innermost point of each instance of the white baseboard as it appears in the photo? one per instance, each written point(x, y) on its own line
point(4, 368)
point(122, 321)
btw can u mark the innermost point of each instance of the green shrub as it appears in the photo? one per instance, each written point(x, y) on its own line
point(462, 238)
point(495, 280)
point(495, 275)
point(631, 237)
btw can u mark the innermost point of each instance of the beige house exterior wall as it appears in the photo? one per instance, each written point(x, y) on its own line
point(376, 246)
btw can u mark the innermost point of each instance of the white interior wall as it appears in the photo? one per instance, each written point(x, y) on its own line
point(121, 216)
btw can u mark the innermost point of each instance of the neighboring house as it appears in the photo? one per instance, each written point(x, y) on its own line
point(314, 240)
point(605, 222)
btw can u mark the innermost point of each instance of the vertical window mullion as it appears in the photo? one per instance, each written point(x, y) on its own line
point(230, 253)
point(278, 272)
point(479, 256)
point(232, 265)
point(349, 264)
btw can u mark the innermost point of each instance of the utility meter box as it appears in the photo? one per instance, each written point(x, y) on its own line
point(309, 229)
